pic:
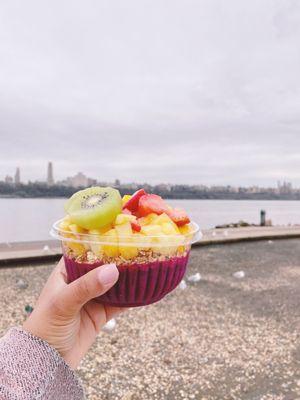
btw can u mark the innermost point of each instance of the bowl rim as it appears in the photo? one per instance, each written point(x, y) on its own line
point(151, 240)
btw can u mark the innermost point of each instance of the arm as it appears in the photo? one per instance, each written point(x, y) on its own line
point(37, 362)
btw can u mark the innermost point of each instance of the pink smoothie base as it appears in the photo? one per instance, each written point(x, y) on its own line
point(138, 284)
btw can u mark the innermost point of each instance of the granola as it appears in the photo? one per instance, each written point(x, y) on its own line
point(143, 257)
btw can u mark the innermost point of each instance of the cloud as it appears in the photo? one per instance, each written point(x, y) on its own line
point(195, 91)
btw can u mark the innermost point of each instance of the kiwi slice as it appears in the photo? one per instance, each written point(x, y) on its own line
point(94, 207)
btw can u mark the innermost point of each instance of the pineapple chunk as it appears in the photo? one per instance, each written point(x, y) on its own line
point(111, 249)
point(163, 219)
point(141, 241)
point(125, 198)
point(168, 245)
point(160, 219)
point(93, 238)
point(149, 219)
point(76, 229)
point(65, 223)
point(124, 218)
point(77, 248)
point(124, 230)
point(100, 231)
point(169, 229)
point(125, 237)
point(97, 236)
point(151, 230)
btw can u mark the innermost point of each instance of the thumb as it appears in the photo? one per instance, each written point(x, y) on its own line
point(93, 284)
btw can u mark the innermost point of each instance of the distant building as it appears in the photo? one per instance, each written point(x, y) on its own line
point(284, 188)
point(17, 176)
point(79, 180)
point(117, 182)
point(163, 187)
point(9, 180)
point(50, 179)
point(254, 189)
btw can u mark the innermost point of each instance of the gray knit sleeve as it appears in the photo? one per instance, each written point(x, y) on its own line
point(31, 369)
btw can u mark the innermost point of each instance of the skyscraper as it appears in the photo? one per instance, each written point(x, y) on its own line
point(50, 179)
point(17, 176)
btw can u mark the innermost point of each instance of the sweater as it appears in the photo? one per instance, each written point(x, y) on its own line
point(30, 369)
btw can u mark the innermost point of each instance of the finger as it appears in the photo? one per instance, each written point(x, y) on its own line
point(56, 281)
point(91, 285)
point(100, 314)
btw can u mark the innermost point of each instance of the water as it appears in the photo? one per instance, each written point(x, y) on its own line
point(31, 219)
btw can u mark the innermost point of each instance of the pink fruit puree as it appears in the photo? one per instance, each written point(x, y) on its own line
point(138, 284)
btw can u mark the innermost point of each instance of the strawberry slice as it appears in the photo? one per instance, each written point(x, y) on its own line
point(126, 211)
point(135, 226)
point(178, 216)
point(151, 203)
point(133, 203)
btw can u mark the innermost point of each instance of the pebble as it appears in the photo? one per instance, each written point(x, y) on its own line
point(110, 325)
point(239, 274)
point(21, 284)
point(182, 285)
point(194, 278)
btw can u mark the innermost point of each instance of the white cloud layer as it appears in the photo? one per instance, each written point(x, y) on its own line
point(194, 91)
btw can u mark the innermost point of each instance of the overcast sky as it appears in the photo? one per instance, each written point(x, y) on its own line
point(190, 91)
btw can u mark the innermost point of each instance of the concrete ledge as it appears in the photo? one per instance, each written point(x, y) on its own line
point(43, 251)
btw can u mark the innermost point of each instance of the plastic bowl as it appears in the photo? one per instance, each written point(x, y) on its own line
point(149, 266)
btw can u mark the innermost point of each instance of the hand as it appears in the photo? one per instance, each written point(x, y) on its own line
point(65, 314)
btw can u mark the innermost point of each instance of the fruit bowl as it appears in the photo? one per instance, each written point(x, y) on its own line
point(150, 264)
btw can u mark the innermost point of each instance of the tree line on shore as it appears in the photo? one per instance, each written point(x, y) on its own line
point(38, 190)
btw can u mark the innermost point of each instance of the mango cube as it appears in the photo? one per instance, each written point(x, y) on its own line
point(111, 249)
point(125, 198)
point(186, 229)
point(125, 236)
point(124, 218)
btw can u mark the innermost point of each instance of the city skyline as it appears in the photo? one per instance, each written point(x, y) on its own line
point(82, 180)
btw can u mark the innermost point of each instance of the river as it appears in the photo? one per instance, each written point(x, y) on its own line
point(31, 219)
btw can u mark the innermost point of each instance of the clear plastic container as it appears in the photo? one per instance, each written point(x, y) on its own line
point(149, 266)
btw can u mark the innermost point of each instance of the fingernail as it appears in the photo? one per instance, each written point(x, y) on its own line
point(108, 274)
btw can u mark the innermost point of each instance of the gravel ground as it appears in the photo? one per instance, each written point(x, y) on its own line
point(220, 338)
